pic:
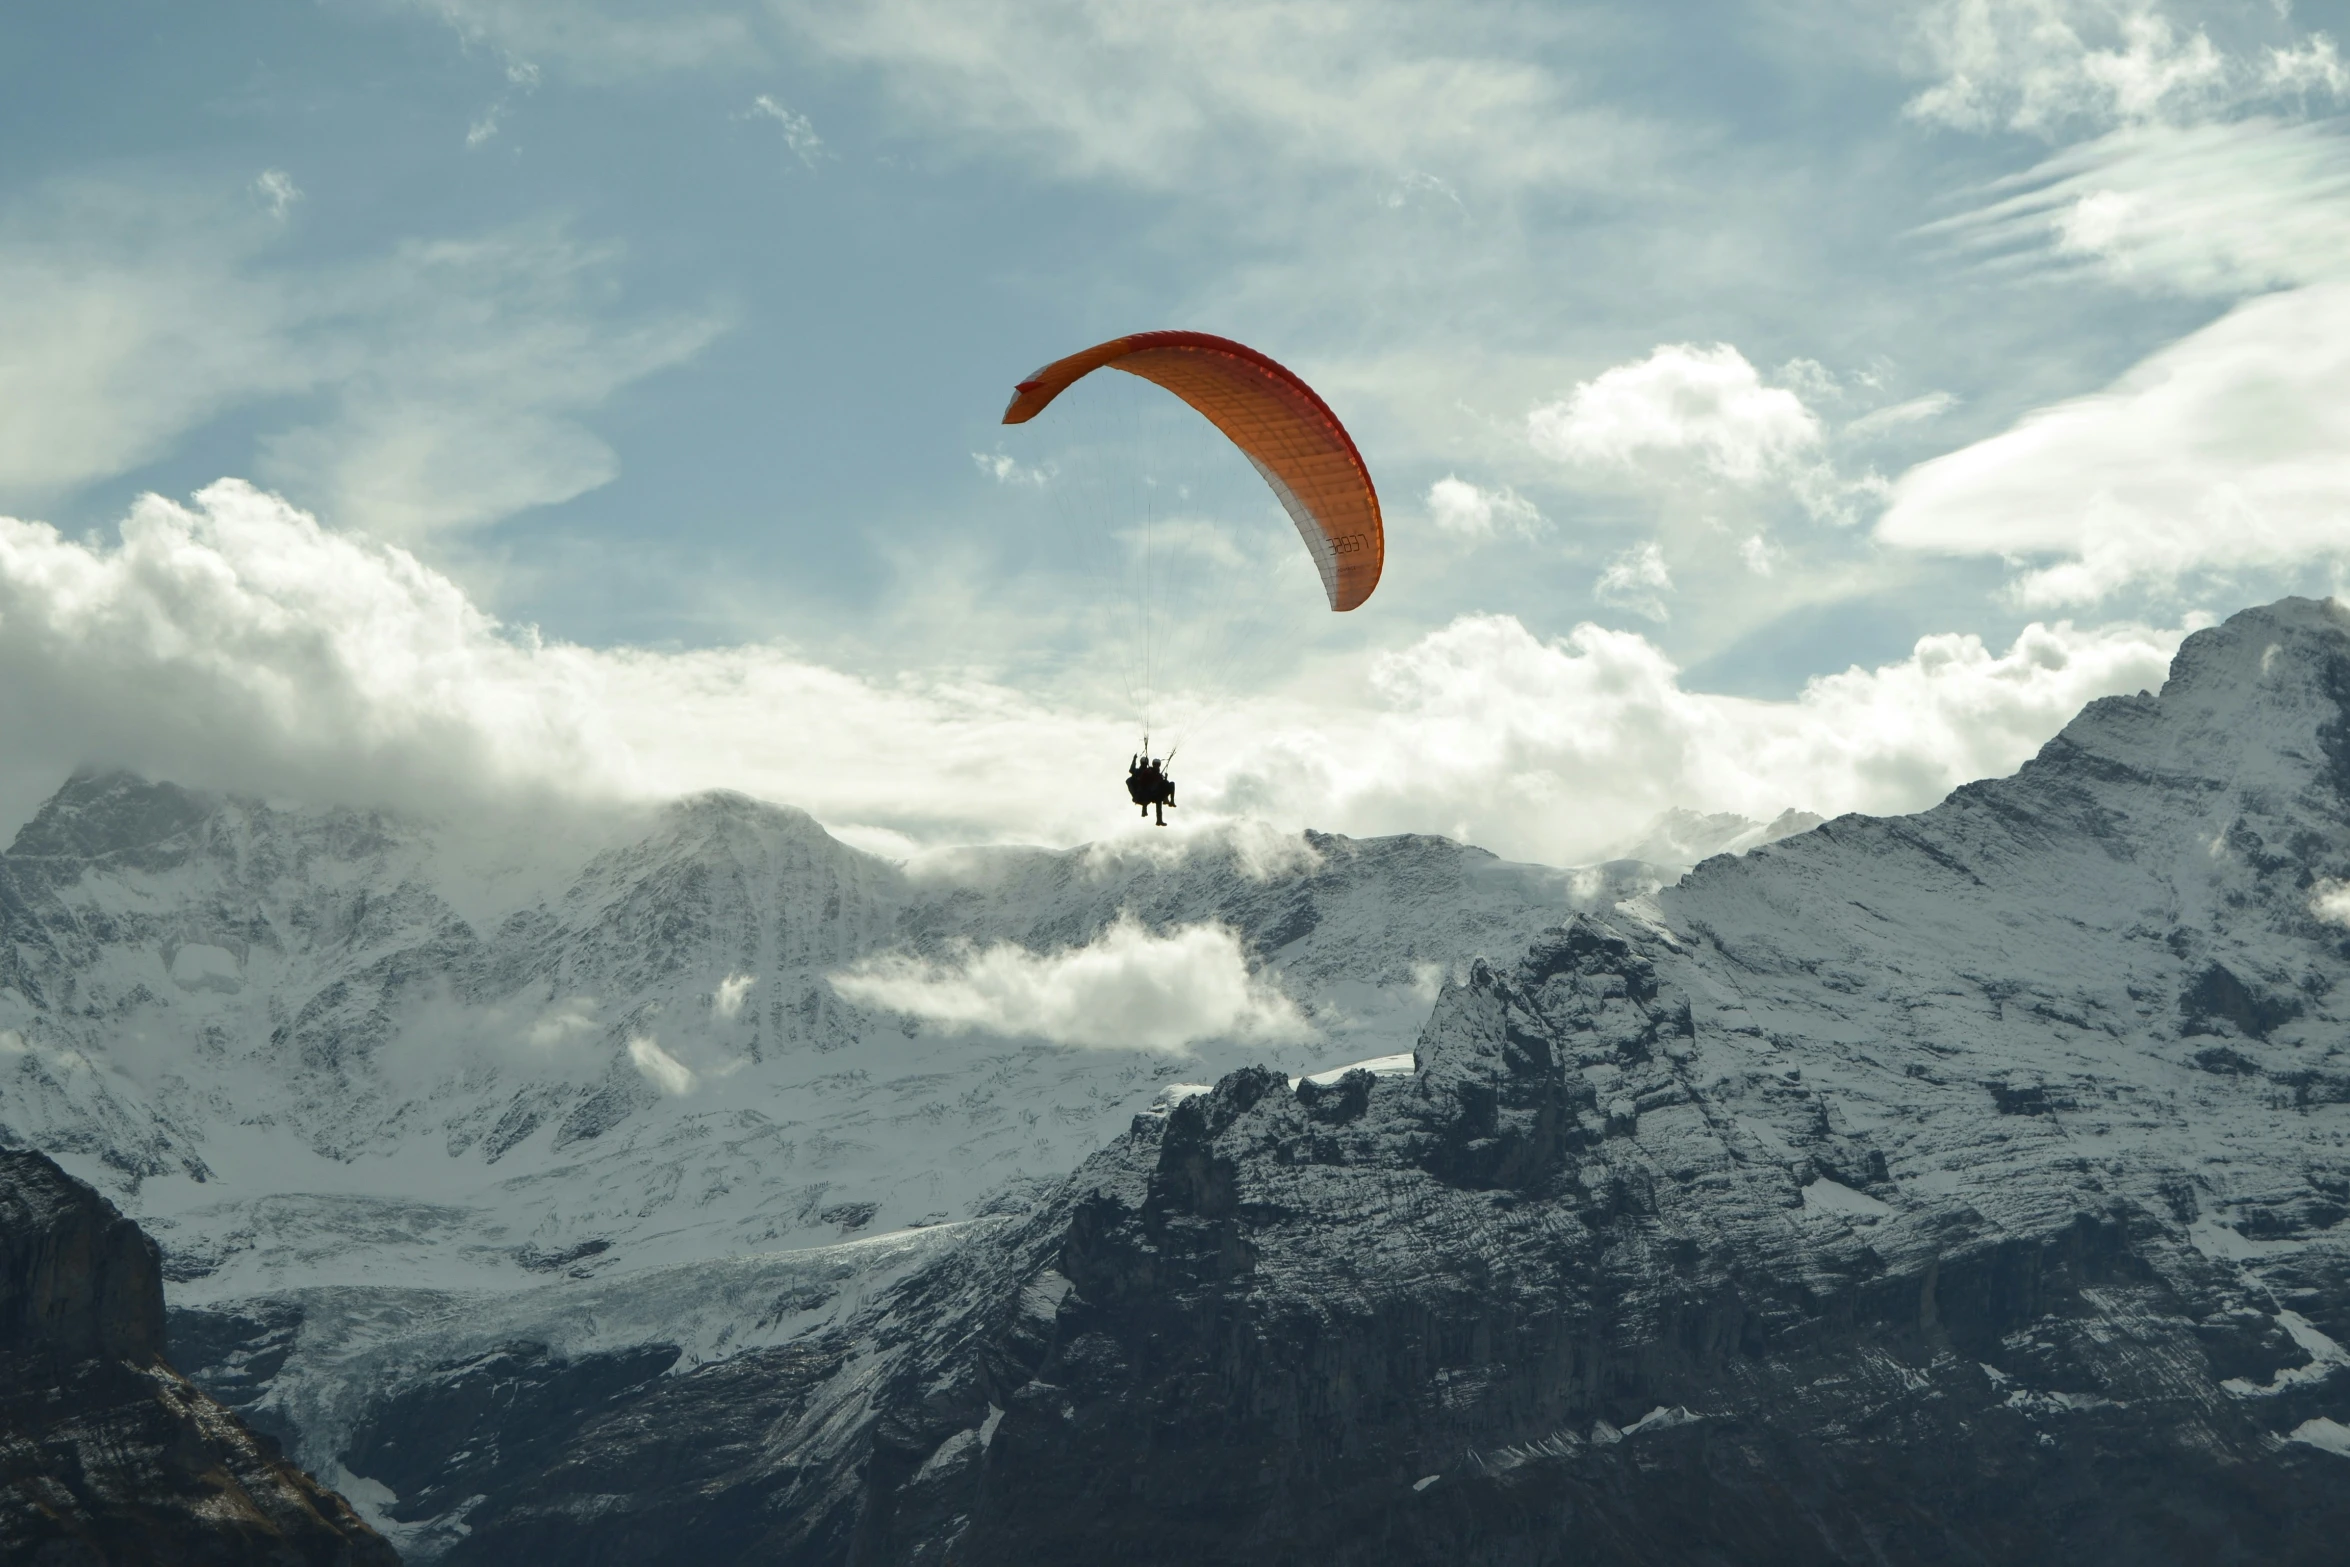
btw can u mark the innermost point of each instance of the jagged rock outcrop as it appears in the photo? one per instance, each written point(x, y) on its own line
point(1960, 1188)
point(107, 1455)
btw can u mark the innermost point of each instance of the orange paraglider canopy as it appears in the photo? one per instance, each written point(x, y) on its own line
point(1290, 434)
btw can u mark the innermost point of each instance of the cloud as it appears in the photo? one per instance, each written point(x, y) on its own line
point(2221, 453)
point(1565, 750)
point(2228, 450)
point(798, 134)
point(2047, 67)
point(727, 1000)
point(1467, 511)
point(565, 1023)
point(606, 40)
point(661, 1069)
point(443, 385)
point(2311, 69)
point(236, 644)
point(1703, 408)
point(2219, 210)
point(132, 319)
point(1156, 96)
point(1916, 410)
point(277, 188)
point(1009, 470)
point(1129, 989)
point(472, 410)
point(1636, 580)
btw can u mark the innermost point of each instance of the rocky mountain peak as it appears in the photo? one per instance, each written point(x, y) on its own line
point(2262, 699)
point(106, 812)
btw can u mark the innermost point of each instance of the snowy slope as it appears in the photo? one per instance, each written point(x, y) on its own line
point(2122, 961)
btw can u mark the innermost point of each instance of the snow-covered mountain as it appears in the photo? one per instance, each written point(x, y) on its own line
point(1954, 1188)
point(1958, 1187)
point(324, 1048)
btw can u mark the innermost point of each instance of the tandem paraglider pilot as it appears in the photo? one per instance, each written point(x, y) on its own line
point(1149, 786)
point(1284, 429)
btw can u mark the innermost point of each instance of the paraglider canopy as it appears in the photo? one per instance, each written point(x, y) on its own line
point(1278, 423)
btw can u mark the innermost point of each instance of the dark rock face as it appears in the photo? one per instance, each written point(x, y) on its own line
point(1875, 1199)
point(106, 1453)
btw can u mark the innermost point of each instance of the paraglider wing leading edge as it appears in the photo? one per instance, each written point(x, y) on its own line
point(1279, 424)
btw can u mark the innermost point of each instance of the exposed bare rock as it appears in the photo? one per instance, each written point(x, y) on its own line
point(107, 1455)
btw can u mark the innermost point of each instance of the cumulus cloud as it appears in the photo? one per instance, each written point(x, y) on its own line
point(659, 1068)
point(1637, 580)
point(1564, 750)
point(1690, 414)
point(2310, 69)
point(2329, 901)
point(2047, 66)
point(234, 643)
point(2228, 450)
point(1705, 408)
point(1129, 989)
point(1471, 511)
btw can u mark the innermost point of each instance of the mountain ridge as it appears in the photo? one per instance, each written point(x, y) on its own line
point(1872, 1198)
point(204, 997)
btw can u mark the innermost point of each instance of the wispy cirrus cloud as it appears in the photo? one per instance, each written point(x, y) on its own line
point(2228, 451)
point(442, 385)
point(468, 370)
point(1153, 95)
point(1103, 89)
point(2218, 458)
point(2219, 209)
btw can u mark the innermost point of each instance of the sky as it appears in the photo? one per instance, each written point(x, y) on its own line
point(1795, 404)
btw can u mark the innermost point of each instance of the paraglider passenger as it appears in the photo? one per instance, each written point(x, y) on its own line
point(1148, 786)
